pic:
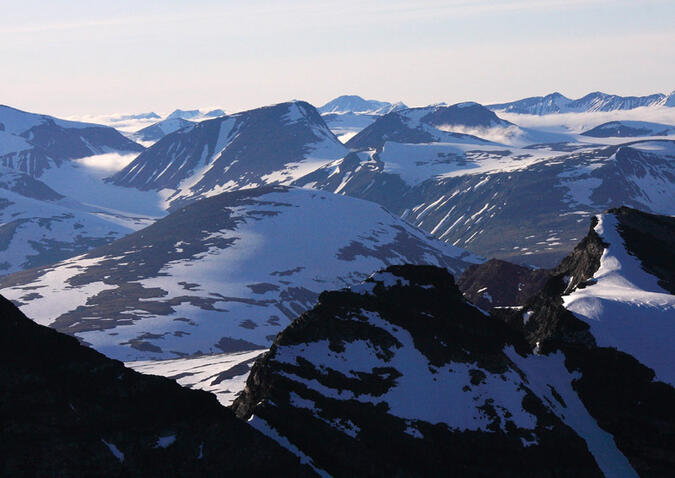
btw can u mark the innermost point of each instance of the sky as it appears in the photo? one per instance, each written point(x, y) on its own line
point(82, 57)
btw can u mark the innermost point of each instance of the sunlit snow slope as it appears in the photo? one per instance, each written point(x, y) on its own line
point(224, 274)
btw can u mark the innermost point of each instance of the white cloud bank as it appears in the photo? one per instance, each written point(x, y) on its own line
point(580, 122)
point(107, 163)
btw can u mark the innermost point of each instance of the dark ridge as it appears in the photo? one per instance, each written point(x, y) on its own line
point(550, 325)
point(61, 402)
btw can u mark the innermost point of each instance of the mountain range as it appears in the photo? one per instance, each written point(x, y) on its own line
point(521, 202)
point(560, 381)
point(596, 101)
point(373, 289)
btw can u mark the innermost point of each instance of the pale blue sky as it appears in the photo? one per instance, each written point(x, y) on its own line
point(77, 57)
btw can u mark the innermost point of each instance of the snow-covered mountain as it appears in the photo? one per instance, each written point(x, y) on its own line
point(183, 114)
point(468, 123)
point(526, 205)
point(597, 101)
point(223, 274)
point(349, 114)
point(625, 129)
point(33, 143)
point(271, 145)
point(94, 417)
point(356, 104)
point(158, 130)
point(428, 125)
point(39, 226)
point(195, 115)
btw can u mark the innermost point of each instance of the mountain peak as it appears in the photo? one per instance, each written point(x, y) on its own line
point(357, 104)
point(184, 114)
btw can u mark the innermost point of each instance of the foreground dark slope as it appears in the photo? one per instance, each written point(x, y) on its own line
point(401, 376)
point(66, 410)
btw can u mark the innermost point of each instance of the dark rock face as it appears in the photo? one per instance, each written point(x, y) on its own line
point(549, 324)
point(464, 114)
point(67, 410)
point(626, 401)
point(27, 186)
point(651, 238)
point(67, 143)
point(391, 127)
point(353, 384)
point(497, 283)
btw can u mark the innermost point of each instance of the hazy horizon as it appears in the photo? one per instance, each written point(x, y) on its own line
point(72, 58)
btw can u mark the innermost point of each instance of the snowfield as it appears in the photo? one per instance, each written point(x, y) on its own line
point(233, 272)
point(223, 374)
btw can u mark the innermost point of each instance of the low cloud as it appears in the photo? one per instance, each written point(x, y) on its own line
point(107, 163)
point(497, 134)
point(580, 122)
point(119, 122)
